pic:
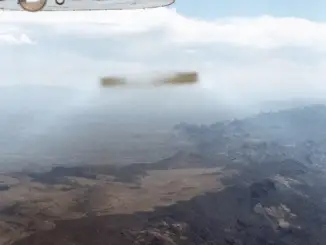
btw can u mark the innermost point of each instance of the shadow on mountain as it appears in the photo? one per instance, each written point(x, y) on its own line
point(128, 173)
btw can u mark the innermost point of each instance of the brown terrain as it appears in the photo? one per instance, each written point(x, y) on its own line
point(36, 201)
point(249, 182)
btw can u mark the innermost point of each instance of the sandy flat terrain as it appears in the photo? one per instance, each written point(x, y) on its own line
point(28, 205)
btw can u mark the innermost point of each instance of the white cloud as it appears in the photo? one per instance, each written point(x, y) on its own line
point(239, 58)
point(12, 39)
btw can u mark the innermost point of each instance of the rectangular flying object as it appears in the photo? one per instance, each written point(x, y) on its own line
point(80, 5)
point(176, 79)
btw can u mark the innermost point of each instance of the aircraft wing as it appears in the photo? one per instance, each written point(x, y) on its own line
point(81, 5)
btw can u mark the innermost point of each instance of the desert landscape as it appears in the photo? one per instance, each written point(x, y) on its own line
point(258, 180)
point(33, 201)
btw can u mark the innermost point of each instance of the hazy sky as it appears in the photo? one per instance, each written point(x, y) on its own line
point(212, 9)
point(244, 50)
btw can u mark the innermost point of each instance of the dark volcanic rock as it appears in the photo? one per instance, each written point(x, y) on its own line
point(297, 134)
point(262, 189)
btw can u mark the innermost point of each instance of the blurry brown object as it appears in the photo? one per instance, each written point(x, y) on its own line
point(178, 78)
point(113, 81)
point(181, 78)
